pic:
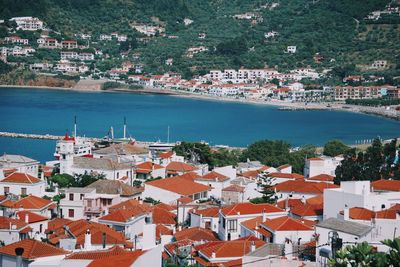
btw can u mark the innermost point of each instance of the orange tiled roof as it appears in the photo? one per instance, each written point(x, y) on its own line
point(395, 207)
point(289, 203)
point(307, 210)
point(166, 155)
point(249, 208)
point(162, 216)
point(5, 223)
point(124, 215)
point(322, 177)
point(235, 248)
point(56, 224)
point(32, 249)
point(300, 186)
point(286, 223)
point(386, 214)
point(252, 224)
point(314, 159)
point(317, 200)
point(32, 217)
point(180, 167)
point(125, 260)
point(294, 176)
point(97, 254)
point(21, 178)
point(214, 176)
point(161, 229)
point(165, 206)
point(128, 204)
point(148, 166)
point(32, 202)
point(357, 213)
point(250, 174)
point(191, 176)
point(234, 188)
point(386, 185)
point(208, 212)
point(180, 186)
point(196, 234)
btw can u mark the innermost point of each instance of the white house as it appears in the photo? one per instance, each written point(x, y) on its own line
point(301, 189)
point(13, 230)
point(321, 165)
point(28, 23)
point(291, 49)
point(37, 222)
point(20, 164)
point(231, 216)
point(214, 180)
point(205, 218)
point(169, 190)
point(22, 184)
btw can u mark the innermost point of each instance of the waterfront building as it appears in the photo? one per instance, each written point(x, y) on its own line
point(18, 163)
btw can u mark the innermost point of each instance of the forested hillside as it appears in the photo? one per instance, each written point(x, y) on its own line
point(336, 30)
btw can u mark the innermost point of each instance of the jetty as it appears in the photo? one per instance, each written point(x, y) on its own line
point(41, 136)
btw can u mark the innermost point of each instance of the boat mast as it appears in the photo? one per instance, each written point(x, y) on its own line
point(124, 127)
point(75, 126)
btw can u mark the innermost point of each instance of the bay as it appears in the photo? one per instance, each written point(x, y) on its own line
point(46, 111)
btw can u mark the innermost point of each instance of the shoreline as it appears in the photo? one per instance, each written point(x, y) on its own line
point(284, 106)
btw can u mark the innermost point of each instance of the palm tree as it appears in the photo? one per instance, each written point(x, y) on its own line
point(394, 253)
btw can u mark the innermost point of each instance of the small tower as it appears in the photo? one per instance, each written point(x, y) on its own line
point(66, 154)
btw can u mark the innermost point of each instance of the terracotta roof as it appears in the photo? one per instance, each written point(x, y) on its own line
point(284, 166)
point(264, 232)
point(8, 203)
point(162, 230)
point(252, 224)
point(357, 213)
point(125, 260)
point(214, 176)
point(235, 248)
point(322, 177)
point(286, 175)
point(250, 174)
point(307, 210)
point(165, 206)
point(180, 167)
point(166, 155)
point(234, 188)
point(97, 254)
point(249, 208)
point(128, 204)
point(162, 216)
point(5, 223)
point(286, 223)
point(180, 186)
point(386, 185)
point(208, 212)
point(196, 234)
point(395, 207)
point(32, 249)
point(56, 224)
point(32, 202)
point(289, 203)
point(189, 176)
point(125, 215)
point(32, 217)
point(317, 200)
point(21, 178)
point(300, 186)
point(314, 159)
point(147, 167)
point(386, 214)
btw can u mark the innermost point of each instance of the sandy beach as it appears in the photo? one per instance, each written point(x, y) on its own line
point(95, 86)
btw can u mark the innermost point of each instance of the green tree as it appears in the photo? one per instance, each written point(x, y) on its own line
point(63, 180)
point(335, 147)
point(268, 192)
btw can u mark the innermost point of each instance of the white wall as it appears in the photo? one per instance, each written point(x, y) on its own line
point(9, 236)
point(37, 189)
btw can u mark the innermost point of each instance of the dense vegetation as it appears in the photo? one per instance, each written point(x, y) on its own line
point(334, 29)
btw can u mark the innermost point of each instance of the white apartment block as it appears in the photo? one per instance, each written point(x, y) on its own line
point(28, 23)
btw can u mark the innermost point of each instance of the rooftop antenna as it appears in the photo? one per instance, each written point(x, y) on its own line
point(124, 127)
point(168, 135)
point(74, 126)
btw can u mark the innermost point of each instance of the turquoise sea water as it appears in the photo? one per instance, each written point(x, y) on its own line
point(51, 112)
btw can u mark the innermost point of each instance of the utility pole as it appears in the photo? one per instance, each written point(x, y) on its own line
point(336, 242)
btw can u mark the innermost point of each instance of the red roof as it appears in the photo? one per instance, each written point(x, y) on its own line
point(386, 185)
point(128, 204)
point(189, 176)
point(252, 224)
point(166, 155)
point(357, 213)
point(162, 230)
point(214, 176)
point(300, 186)
point(196, 234)
point(32, 217)
point(125, 260)
point(32, 249)
point(180, 167)
point(322, 177)
point(162, 216)
point(286, 175)
point(32, 202)
point(289, 203)
point(249, 208)
point(180, 186)
point(97, 254)
point(307, 210)
point(314, 159)
point(21, 178)
point(6, 221)
point(148, 167)
point(317, 200)
point(234, 188)
point(125, 215)
point(286, 223)
point(208, 212)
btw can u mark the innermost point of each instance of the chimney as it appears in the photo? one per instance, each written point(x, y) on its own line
point(104, 240)
point(27, 218)
point(19, 251)
point(213, 255)
point(264, 216)
point(88, 240)
point(303, 199)
point(286, 203)
point(346, 214)
point(252, 246)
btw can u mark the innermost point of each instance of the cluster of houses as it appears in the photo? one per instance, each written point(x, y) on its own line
point(153, 208)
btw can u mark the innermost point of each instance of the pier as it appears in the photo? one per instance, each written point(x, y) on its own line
point(41, 136)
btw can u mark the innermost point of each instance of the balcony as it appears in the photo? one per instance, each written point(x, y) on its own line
point(93, 210)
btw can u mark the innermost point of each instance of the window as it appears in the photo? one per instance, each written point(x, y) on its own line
point(89, 203)
point(23, 191)
point(40, 228)
point(6, 190)
point(71, 213)
point(117, 175)
point(223, 223)
point(71, 197)
point(81, 196)
point(232, 225)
